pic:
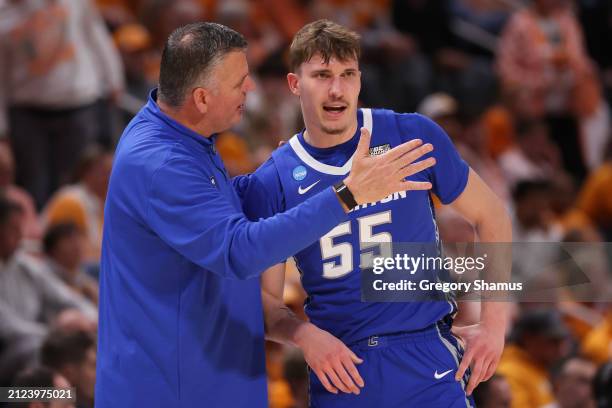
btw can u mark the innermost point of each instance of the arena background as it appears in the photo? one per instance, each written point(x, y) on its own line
point(524, 97)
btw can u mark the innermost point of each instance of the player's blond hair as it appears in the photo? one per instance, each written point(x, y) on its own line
point(326, 38)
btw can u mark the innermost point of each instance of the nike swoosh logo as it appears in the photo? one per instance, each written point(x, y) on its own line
point(305, 190)
point(441, 375)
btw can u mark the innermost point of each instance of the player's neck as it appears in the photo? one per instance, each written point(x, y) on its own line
point(317, 137)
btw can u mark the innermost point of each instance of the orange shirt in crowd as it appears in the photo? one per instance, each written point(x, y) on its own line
point(597, 345)
point(529, 382)
point(75, 204)
point(499, 130)
point(595, 197)
point(527, 59)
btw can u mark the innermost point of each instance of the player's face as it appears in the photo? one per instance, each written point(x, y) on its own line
point(230, 84)
point(328, 93)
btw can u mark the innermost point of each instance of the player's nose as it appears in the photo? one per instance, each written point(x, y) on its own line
point(335, 89)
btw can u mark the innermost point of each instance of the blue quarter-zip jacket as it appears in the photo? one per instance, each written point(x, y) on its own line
point(181, 321)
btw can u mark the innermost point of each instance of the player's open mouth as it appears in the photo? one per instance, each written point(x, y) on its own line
point(334, 109)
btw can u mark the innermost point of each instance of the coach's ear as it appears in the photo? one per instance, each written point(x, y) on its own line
point(293, 81)
point(201, 99)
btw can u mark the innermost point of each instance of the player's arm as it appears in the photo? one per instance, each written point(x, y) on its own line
point(327, 356)
point(485, 340)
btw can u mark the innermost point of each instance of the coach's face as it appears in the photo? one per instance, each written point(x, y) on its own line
point(328, 92)
point(230, 83)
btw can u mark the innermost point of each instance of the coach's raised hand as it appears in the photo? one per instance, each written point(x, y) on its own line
point(373, 178)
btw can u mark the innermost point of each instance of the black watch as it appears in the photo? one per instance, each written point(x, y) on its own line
point(345, 195)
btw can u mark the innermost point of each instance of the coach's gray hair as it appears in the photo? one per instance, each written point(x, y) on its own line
point(190, 54)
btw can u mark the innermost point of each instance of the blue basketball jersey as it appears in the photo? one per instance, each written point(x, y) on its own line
point(330, 268)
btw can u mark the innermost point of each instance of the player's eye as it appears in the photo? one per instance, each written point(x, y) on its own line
point(322, 75)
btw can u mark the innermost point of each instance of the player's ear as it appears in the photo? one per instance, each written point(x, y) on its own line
point(293, 82)
point(201, 99)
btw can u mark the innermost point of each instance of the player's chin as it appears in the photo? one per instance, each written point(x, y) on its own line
point(333, 128)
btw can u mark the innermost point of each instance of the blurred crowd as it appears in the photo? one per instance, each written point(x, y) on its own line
point(523, 87)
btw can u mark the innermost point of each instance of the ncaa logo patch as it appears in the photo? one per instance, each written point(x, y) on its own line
point(299, 173)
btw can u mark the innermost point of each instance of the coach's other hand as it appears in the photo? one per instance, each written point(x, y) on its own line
point(330, 359)
point(483, 348)
point(373, 178)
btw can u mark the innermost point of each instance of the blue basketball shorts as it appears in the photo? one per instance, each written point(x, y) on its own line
point(410, 369)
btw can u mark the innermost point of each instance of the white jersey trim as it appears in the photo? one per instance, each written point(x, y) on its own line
point(301, 152)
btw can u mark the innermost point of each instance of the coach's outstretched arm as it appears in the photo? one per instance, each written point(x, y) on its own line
point(206, 228)
point(484, 341)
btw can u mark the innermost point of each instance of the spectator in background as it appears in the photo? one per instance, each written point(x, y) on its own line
point(467, 132)
point(545, 70)
point(533, 215)
point(594, 199)
point(296, 375)
point(602, 386)
point(31, 227)
point(453, 66)
point(488, 15)
point(596, 22)
point(64, 246)
point(534, 157)
point(41, 377)
point(538, 343)
point(472, 145)
point(140, 61)
point(73, 355)
point(56, 61)
point(82, 203)
point(596, 19)
point(494, 393)
point(499, 127)
point(235, 153)
point(252, 19)
point(597, 344)
point(118, 12)
point(31, 298)
point(444, 110)
point(279, 391)
point(287, 16)
point(162, 17)
point(572, 384)
point(563, 198)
